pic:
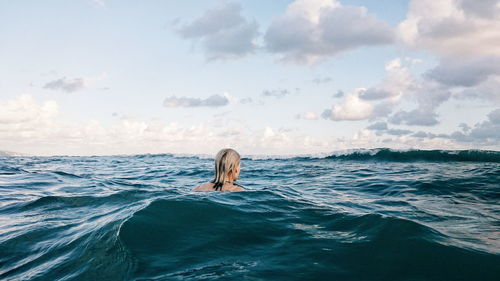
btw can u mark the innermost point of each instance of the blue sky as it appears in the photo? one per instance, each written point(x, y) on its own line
point(265, 77)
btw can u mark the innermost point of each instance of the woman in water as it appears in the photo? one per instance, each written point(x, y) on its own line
point(227, 170)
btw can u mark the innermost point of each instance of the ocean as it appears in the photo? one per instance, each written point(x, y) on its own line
point(355, 215)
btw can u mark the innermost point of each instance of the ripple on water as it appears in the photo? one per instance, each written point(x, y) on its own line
point(365, 216)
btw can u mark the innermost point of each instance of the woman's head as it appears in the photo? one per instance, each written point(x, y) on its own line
point(227, 167)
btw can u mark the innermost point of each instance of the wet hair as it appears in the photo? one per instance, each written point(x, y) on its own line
point(226, 161)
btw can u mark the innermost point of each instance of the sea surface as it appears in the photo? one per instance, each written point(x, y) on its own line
point(354, 215)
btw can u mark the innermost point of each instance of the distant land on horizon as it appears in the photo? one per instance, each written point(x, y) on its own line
point(11, 153)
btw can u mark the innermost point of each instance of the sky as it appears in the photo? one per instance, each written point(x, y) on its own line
point(281, 77)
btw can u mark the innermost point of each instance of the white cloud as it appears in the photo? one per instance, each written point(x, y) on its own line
point(38, 128)
point(465, 34)
point(451, 79)
point(24, 114)
point(223, 32)
point(453, 28)
point(378, 101)
point(211, 101)
point(429, 96)
point(352, 108)
point(307, 116)
point(477, 78)
point(313, 30)
point(467, 79)
point(398, 82)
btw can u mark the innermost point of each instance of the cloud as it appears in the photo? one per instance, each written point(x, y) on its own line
point(484, 133)
point(476, 78)
point(375, 94)
point(453, 28)
point(313, 30)
point(429, 96)
point(212, 101)
point(307, 116)
point(379, 126)
point(481, 9)
point(465, 34)
point(352, 108)
point(398, 82)
point(464, 127)
point(278, 93)
point(468, 78)
point(66, 85)
point(322, 80)
point(378, 101)
point(494, 116)
point(38, 128)
point(338, 94)
point(24, 114)
point(223, 32)
point(420, 134)
point(398, 132)
point(246, 100)
point(488, 90)
point(416, 117)
point(465, 73)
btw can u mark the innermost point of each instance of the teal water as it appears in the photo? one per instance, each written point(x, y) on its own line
point(362, 215)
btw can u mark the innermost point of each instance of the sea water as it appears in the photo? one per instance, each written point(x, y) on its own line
point(359, 215)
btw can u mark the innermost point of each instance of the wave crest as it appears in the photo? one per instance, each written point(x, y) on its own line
point(387, 154)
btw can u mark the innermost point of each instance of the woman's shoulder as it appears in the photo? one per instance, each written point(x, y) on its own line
point(237, 188)
point(205, 186)
point(209, 186)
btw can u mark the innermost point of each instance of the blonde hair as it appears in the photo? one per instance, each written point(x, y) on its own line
point(226, 162)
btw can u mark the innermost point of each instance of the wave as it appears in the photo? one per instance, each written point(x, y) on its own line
point(86, 200)
point(346, 215)
point(387, 154)
point(186, 237)
point(381, 154)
